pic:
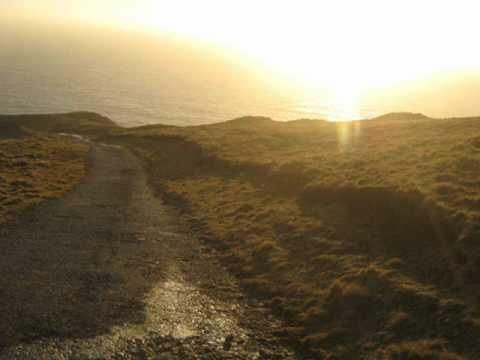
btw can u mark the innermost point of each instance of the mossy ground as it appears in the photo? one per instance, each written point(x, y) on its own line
point(363, 235)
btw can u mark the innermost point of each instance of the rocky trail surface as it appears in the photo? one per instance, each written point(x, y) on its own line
point(110, 272)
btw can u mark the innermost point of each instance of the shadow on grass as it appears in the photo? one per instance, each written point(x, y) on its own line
point(330, 287)
point(376, 221)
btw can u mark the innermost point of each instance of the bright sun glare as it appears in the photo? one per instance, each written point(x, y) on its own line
point(347, 48)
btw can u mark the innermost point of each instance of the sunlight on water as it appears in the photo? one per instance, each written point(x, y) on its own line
point(176, 85)
point(341, 110)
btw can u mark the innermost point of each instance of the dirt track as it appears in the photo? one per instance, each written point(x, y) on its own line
point(110, 272)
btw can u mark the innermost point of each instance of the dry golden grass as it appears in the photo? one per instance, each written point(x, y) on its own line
point(36, 163)
point(363, 235)
point(84, 123)
point(419, 350)
point(36, 168)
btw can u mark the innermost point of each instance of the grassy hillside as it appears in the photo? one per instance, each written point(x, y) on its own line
point(37, 168)
point(363, 235)
point(84, 123)
point(36, 164)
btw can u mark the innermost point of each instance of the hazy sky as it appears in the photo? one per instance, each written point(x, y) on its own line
point(388, 38)
point(350, 46)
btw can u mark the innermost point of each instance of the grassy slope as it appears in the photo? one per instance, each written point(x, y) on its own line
point(34, 165)
point(37, 168)
point(84, 123)
point(363, 235)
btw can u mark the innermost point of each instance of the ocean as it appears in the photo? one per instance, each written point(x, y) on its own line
point(137, 99)
point(136, 79)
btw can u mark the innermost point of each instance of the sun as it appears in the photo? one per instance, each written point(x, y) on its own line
point(347, 48)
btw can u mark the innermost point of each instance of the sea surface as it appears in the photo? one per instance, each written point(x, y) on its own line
point(135, 80)
point(136, 96)
point(138, 99)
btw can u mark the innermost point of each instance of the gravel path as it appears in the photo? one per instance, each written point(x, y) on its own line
point(110, 272)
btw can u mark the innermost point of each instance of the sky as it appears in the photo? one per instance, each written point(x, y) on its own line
point(351, 47)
